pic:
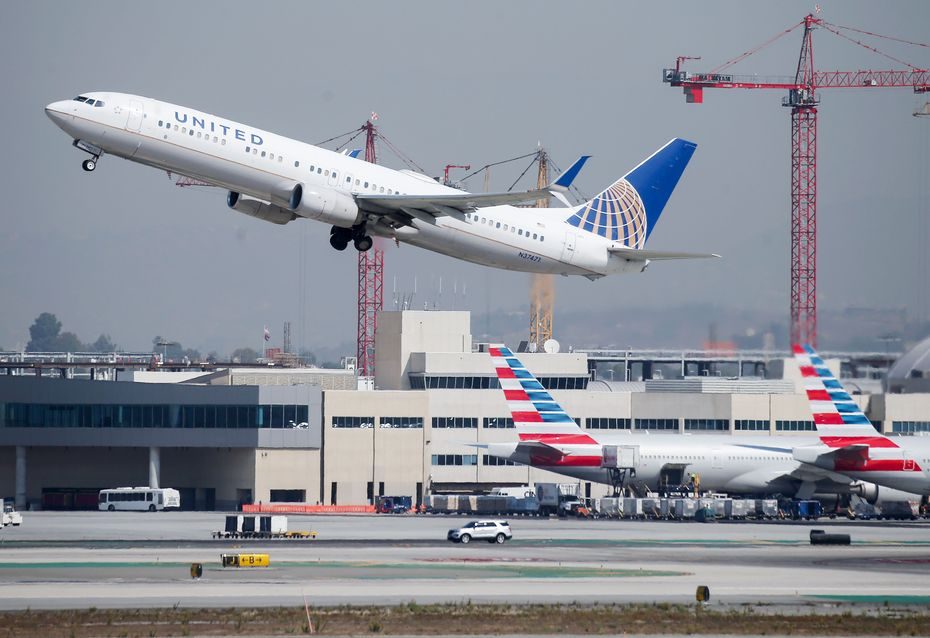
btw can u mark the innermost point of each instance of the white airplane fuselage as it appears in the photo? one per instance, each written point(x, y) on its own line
point(264, 166)
point(735, 464)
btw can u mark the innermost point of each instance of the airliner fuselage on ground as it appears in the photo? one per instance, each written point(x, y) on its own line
point(278, 179)
point(550, 439)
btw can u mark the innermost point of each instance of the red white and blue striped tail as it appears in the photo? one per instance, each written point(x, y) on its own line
point(536, 415)
point(839, 420)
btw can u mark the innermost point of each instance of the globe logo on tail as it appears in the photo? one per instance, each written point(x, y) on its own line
point(617, 214)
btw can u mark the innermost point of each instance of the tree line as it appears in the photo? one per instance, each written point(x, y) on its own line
point(45, 335)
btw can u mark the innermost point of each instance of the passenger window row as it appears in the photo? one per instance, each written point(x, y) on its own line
point(185, 131)
point(267, 154)
point(271, 156)
point(505, 227)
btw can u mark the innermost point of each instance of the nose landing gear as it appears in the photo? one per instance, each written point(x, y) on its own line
point(89, 164)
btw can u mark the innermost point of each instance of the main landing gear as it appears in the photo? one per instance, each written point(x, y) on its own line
point(339, 238)
point(89, 164)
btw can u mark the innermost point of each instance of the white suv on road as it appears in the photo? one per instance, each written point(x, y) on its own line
point(491, 531)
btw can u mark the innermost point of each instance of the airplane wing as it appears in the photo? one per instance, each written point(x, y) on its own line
point(813, 475)
point(428, 207)
point(634, 254)
point(855, 454)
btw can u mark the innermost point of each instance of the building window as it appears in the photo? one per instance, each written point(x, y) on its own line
point(751, 425)
point(656, 424)
point(498, 422)
point(406, 422)
point(910, 427)
point(353, 421)
point(454, 459)
point(795, 426)
point(153, 416)
point(609, 423)
point(457, 422)
point(487, 459)
point(716, 425)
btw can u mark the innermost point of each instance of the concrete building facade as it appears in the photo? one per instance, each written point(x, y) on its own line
point(236, 436)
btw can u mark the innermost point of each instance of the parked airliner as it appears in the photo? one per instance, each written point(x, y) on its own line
point(278, 179)
point(849, 443)
point(736, 464)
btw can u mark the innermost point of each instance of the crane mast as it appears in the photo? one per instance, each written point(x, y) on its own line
point(542, 288)
point(370, 281)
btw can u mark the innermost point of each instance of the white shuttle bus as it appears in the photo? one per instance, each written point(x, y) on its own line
point(139, 499)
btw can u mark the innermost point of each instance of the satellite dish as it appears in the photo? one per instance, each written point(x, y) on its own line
point(551, 346)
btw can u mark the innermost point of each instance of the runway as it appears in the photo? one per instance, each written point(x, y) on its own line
point(135, 560)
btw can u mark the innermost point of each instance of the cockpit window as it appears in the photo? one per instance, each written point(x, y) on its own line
point(80, 98)
point(99, 103)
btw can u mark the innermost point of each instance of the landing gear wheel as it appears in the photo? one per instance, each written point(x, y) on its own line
point(363, 243)
point(338, 242)
point(88, 165)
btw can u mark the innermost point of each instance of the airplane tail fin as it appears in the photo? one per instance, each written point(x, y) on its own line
point(629, 209)
point(536, 415)
point(839, 420)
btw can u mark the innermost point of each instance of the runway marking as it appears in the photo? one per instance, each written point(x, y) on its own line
point(442, 570)
point(897, 599)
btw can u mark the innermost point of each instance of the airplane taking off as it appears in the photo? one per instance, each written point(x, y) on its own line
point(278, 180)
point(736, 464)
point(849, 443)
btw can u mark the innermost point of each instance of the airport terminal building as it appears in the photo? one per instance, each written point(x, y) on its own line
point(244, 435)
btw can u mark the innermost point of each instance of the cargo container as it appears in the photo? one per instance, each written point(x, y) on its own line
point(766, 508)
point(741, 508)
point(684, 508)
point(632, 508)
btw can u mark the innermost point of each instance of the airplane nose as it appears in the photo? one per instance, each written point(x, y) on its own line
point(57, 112)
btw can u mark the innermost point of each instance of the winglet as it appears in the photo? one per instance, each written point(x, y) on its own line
point(567, 177)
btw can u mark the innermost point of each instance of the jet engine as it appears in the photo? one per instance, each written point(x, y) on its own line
point(261, 210)
point(865, 491)
point(325, 205)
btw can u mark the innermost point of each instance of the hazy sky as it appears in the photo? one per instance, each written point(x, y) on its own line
point(123, 251)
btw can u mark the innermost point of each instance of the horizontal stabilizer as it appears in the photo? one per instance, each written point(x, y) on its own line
point(634, 254)
point(539, 450)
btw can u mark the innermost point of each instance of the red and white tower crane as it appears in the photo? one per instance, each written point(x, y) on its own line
point(803, 102)
point(370, 281)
